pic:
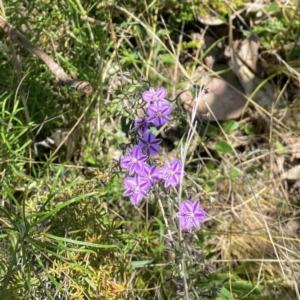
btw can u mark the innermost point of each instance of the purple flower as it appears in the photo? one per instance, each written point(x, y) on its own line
point(153, 96)
point(172, 172)
point(190, 214)
point(137, 188)
point(142, 125)
point(149, 144)
point(150, 173)
point(134, 161)
point(158, 113)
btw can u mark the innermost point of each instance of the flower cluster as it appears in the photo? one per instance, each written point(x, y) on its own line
point(143, 175)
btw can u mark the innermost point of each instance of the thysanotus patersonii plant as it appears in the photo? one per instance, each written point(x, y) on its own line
point(144, 173)
point(145, 179)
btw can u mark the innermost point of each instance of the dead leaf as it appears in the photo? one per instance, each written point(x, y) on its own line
point(292, 227)
point(292, 174)
point(71, 143)
point(280, 160)
point(244, 64)
point(224, 102)
point(293, 145)
point(210, 20)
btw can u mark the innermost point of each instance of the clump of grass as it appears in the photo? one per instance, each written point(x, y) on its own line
point(62, 237)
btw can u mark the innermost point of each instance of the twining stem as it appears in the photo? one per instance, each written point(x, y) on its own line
point(83, 87)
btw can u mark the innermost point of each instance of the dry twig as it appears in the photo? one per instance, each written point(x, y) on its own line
point(83, 87)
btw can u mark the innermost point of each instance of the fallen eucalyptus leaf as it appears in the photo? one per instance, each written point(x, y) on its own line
point(244, 63)
point(221, 101)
